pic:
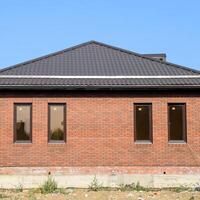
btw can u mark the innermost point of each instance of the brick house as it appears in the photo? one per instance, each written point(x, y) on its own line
point(98, 109)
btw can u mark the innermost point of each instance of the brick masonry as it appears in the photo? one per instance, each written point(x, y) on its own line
point(100, 134)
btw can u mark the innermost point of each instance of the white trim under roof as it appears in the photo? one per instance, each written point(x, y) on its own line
point(96, 77)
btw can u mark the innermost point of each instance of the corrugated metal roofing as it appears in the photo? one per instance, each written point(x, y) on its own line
point(97, 59)
point(79, 81)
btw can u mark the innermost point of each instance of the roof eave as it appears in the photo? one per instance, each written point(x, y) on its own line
point(105, 87)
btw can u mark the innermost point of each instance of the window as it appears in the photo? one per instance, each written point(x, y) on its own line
point(22, 122)
point(177, 122)
point(57, 122)
point(143, 122)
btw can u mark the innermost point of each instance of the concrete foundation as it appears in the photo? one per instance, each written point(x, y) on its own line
point(28, 177)
point(82, 181)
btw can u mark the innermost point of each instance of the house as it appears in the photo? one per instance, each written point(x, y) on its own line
point(95, 109)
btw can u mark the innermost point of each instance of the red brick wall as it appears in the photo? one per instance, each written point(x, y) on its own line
point(100, 133)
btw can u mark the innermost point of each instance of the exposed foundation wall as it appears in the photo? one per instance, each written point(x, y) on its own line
point(81, 177)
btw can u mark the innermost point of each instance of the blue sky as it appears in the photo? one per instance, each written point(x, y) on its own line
point(29, 29)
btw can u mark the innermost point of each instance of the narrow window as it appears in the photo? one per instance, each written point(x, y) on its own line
point(177, 122)
point(57, 122)
point(143, 122)
point(22, 122)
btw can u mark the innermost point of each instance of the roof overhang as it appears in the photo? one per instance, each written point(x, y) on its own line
point(96, 77)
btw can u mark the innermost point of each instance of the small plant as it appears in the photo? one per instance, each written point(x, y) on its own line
point(19, 188)
point(95, 185)
point(49, 186)
point(122, 187)
point(197, 187)
point(138, 187)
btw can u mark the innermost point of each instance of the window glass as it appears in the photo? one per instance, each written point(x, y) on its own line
point(57, 122)
point(22, 122)
point(177, 124)
point(143, 121)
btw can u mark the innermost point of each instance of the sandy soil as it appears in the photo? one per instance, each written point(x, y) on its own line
point(79, 194)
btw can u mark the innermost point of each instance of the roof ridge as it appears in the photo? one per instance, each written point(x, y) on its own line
point(147, 58)
point(46, 56)
point(100, 77)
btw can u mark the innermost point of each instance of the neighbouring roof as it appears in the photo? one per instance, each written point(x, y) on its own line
point(93, 65)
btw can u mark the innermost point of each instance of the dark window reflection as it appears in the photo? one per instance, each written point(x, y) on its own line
point(177, 121)
point(143, 122)
point(23, 122)
point(57, 124)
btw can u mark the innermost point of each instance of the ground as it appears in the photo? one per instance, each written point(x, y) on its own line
point(83, 194)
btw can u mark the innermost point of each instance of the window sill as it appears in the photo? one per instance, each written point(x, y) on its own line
point(143, 142)
point(23, 142)
point(56, 142)
point(177, 142)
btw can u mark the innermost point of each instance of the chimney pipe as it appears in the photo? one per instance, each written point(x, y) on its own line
point(159, 56)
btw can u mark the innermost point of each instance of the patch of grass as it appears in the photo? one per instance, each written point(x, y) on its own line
point(31, 196)
point(126, 187)
point(17, 198)
point(95, 185)
point(191, 198)
point(132, 187)
point(35, 190)
point(109, 189)
point(179, 189)
point(3, 196)
point(49, 186)
point(61, 191)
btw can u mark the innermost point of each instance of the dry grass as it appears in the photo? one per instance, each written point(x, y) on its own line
point(84, 194)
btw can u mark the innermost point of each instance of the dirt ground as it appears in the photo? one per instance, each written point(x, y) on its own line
point(81, 194)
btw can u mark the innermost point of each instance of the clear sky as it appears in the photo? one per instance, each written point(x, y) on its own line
point(32, 28)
